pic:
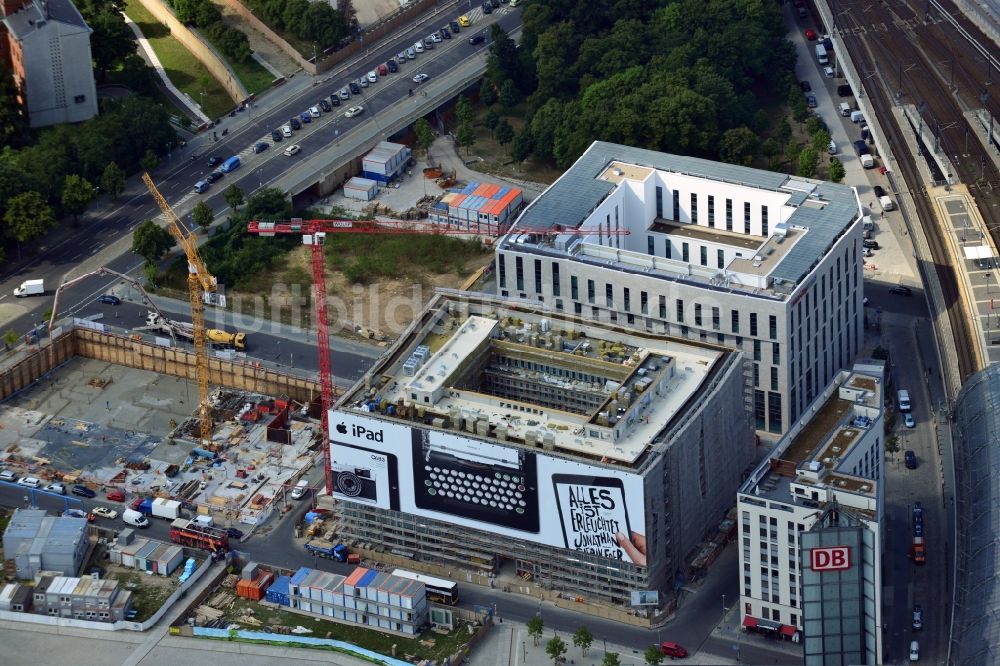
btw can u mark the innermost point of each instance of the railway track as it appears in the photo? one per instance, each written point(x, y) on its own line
point(909, 57)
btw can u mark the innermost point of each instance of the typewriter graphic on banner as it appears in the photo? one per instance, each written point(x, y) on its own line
point(475, 480)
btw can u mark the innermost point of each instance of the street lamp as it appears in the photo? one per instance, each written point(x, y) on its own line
point(723, 604)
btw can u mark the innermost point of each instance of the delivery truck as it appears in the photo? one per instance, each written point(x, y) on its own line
point(328, 550)
point(166, 508)
point(30, 288)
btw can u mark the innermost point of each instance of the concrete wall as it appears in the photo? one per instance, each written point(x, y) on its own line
point(206, 56)
point(133, 353)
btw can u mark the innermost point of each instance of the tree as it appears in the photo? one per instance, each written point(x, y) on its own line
point(820, 141)
point(425, 136)
point(583, 639)
point(28, 216)
point(491, 120)
point(509, 95)
point(523, 144)
point(535, 628)
point(654, 655)
point(149, 160)
point(611, 659)
point(837, 172)
point(10, 337)
point(233, 196)
point(487, 92)
point(738, 146)
point(466, 136)
point(76, 195)
point(151, 241)
point(770, 148)
point(113, 180)
point(504, 133)
point(783, 133)
point(112, 40)
point(555, 648)
point(503, 61)
point(808, 160)
point(203, 215)
point(463, 110)
point(13, 123)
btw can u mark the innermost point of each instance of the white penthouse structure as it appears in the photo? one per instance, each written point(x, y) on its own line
point(810, 526)
point(540, 448)
point(762, 262)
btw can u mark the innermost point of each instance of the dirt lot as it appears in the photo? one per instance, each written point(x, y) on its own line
point(262, 46)
point(148, 591)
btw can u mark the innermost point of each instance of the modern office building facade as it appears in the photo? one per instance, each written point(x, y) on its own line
point(762, 262)
point(47, 45)
point(502, 440)
point(810, 527)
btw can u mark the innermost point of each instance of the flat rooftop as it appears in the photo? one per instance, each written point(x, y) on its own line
point(818, 212)
point(820, 446)
point(536, 378)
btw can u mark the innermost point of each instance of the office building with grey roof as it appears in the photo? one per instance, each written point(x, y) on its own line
point(47, 45)
point(766, 263)
point(39, 542)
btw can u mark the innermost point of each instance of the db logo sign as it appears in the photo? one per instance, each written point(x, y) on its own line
point(833, 558)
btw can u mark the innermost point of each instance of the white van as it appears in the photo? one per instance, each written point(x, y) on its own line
point(204, 521)
point(845, 109)
point(886, 203)
point(134, 518)
point(903, 397)
point(857, 117)
point(300, 489)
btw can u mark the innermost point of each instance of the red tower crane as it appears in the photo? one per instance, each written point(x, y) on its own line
point(313, 233)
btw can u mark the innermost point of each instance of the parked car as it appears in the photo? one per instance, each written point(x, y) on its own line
point(105, 512)
point(214, 176)
point(911, 459)
point(261, 147)
point(334, 100)
point(30, 482)
point(83, 491)
point(901, 290)
point(8, 476)
point(401, 58)
point(116, 496)
point(325, 105)
point(276, 135)
point(109, 299)
point(908, 420)
point(918, 617)
point(410, 53)
point(294, 122)
point(673, 650)
point(434, 37)
point(286, 131)
point(464, 21)
point(363, 82)
point(234, 533)
point(392, 66)
point(77, 513)
point(805, 86)
point(355, 111)
point(214, 162)
point(382, 69)
point(445, 32)
point(914, 651)
point(454, 27)
point(57, 488)
point(420, 78)
point(487, 9)
point(418, 46)
point(879, 191)
point(811, 35)
point(345, 93)
point(305, 117)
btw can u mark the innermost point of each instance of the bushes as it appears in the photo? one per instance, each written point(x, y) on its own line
point(316, 22)
point(205, 15)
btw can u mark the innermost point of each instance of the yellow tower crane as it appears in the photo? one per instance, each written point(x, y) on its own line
point(200, 282)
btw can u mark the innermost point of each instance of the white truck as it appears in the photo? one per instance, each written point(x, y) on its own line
point(30, 288)
point(159, 324)
point(166, 508)
point(821, 56)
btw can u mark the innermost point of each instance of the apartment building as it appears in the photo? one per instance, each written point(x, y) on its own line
point(542, 449)
point(47, 45)
point(761, 262)
point(810, 527)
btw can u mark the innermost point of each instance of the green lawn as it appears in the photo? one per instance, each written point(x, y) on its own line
point(444, 644)
point(184, 70)
point(251, 73)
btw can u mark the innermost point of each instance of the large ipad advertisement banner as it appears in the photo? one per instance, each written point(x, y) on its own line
point(500, 489)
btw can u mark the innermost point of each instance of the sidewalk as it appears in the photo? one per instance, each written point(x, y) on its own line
point(730, 630)
point(508, 644)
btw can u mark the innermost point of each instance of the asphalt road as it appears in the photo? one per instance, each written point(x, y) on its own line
point(176, 179)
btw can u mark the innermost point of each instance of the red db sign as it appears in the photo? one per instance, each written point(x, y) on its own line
point(833, 558)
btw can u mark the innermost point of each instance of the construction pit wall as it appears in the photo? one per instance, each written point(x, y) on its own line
point(259, 449)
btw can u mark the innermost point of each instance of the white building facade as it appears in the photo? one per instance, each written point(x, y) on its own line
point(810, 527)
point(762, 262)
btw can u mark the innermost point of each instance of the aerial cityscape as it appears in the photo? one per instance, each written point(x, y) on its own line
point(499, 333)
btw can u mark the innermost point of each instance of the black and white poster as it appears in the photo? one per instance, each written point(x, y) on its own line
point(506, 490)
